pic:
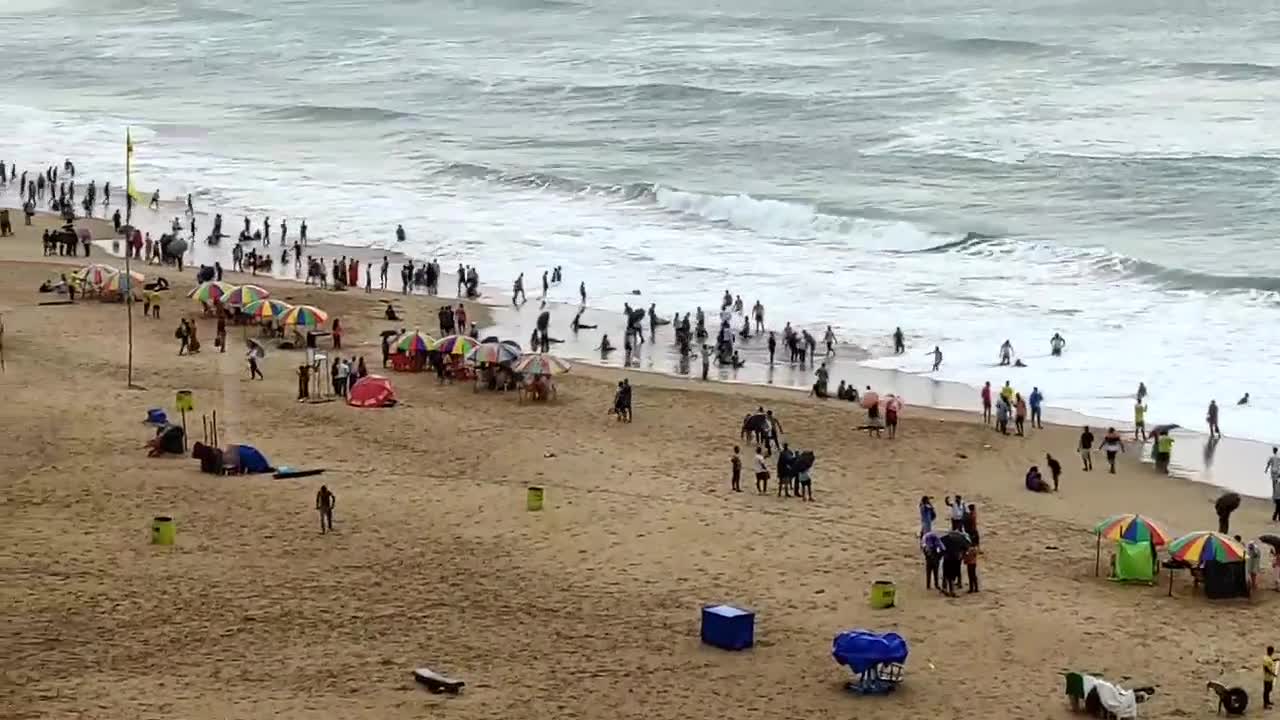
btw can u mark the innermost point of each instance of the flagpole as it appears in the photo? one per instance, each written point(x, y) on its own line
point(128, 249)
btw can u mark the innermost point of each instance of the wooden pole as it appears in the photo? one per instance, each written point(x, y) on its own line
point(204, 432)
point(215, 428)
point(1097, 560)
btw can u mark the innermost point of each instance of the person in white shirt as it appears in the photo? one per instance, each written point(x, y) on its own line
point(762, 473)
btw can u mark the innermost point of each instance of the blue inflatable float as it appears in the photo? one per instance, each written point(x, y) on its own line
point(875, 658)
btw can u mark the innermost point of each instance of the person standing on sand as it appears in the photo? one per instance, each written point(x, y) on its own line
point(758, 311)
point(956, 509)
point(302, 232)
point(773, 346)
point(1139, 421)
point(1268, 676)
point(706, 360)
point(927, 515)
point(971, 563)
point(735, 469)
point(1055, 469)
point(266, 231)
point(1273, 471)
point(1212, 418)
point(325, 502)
point(1037, 398)
point(762, 473)
point(986, 403)
point(1019, 414)
point(1086, 449)
point(1112, 445)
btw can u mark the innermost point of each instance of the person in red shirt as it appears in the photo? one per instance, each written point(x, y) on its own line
point(891, 418)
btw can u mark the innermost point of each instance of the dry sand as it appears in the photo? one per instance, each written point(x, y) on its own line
point(588, 609)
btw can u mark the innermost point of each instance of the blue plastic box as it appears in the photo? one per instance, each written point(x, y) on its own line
point(728, 627)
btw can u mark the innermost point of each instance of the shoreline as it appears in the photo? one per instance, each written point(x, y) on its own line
point(1224, 463)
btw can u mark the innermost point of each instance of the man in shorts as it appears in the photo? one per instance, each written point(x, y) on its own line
point(1086, 449)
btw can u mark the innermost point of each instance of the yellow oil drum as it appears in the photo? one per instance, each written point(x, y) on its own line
point(883, 594)
point(163, 530)
point(533, 501)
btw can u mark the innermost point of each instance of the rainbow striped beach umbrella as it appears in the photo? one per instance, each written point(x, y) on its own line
point(121, 283)
point(1202, 546)
point(211, 293)
point(494, 353)
point(308, 315)
point(265, 310)
point(96, 274)
point(246, 294)
point(540, 364)
point(412, 343)
point(455, 344)
point(1133, 528)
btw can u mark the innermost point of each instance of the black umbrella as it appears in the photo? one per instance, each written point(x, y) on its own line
point(491, 339)
point(956, 541)
point(1272, 540)
point(804, 461)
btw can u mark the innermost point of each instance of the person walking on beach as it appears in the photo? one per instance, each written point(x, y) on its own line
point(1020, 414)
point(1139, 421)
point(735, 469)
point(325, 502)
point(762, 473)
point(1212, 418)
point(582, 292)
point(1055, 469)
point(302, 232)
point(829, 339)
point(1112, 445)
point(1273, 471)
point(284, 232)
point(255, 373)
point(1086, 449)
point(266, 231)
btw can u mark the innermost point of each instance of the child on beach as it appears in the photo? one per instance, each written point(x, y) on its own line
point(762, 473)
point(735, 464)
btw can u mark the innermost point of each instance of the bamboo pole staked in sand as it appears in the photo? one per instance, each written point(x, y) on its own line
point(128, 250)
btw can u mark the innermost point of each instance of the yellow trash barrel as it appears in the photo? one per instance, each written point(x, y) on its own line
point(534, 499)
point(163, 530)
point(883, 594)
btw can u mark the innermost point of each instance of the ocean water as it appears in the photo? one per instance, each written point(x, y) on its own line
point(971, 172)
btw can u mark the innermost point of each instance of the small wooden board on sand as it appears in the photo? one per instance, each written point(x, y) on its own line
point(437, 683)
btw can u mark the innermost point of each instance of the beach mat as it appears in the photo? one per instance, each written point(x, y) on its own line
point(286, 473)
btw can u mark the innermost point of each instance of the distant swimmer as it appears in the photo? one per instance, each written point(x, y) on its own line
point(400, 233)
point(155, 201)
point(1244, 400)
point(1056, 344)
point(737, 305)
point(899, 342)
point(302, 232)
point(1006, 353)
point(727, 301)
point(937, 358)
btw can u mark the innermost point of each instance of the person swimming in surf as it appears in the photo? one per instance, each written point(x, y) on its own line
point(829, 338)
point(937, 358)
point(899, 342)
point(727, 301)
point(757, 311)
point(1244, 400)
point(1056, 344)
point(737, 304)
point(577, 323)
point(1006, 353)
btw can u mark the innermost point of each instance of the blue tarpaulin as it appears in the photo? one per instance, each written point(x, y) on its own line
point(863, 650)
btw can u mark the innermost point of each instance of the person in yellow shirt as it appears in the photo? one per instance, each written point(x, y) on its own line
point(1006, 392)
point(1268, 676)
point(1140, 421)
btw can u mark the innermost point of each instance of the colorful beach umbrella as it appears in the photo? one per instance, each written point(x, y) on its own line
point(246, 294)
point(1199, 547)
point(494, 353)
point(455, 344)
point(265, 310)
point(540, 364)
point(121, 283)
point(413, 343)
point(308, 315)
point(96, 274)
point(1133, 528)
point(211, 293)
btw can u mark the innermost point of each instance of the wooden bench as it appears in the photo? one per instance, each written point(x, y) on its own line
point(437, 683)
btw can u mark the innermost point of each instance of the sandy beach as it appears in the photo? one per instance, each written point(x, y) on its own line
point(587, 609)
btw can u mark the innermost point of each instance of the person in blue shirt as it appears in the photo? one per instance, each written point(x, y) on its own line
point(927, 515)
point(1036, 399)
